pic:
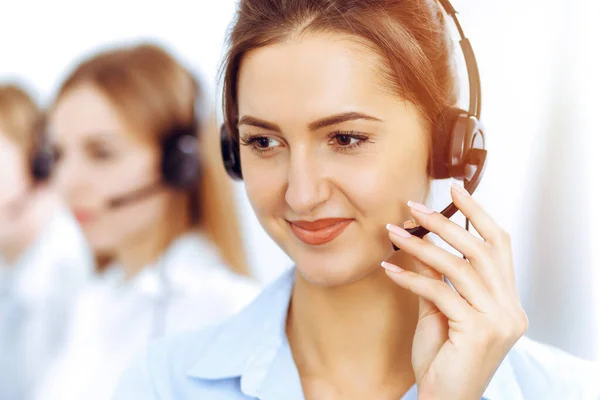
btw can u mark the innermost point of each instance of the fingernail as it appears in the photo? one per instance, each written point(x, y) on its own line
point(397, 230)
point(419, 207)
point(459, 189)
point(391, 267)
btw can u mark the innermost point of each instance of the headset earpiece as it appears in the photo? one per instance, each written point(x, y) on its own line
point(442, 140)
point(180, 165)
point(41, 165)
point(230, 154)
point(454, 134)
point(42, 156)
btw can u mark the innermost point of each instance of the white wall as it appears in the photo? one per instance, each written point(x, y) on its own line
point(540, 84)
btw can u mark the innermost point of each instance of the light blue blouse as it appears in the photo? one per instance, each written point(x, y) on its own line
point(248, 357)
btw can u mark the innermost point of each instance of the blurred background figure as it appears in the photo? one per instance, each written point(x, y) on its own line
point(43, 258)
point(137, 162)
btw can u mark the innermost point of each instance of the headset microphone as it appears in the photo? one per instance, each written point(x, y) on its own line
point(135, 195)
point(180, 166)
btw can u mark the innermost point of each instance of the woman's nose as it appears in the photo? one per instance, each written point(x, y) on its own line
point(307, 188)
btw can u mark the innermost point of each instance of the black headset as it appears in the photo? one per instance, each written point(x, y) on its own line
point(181, 166)
point(458, 137)
point(42, 155)
point(40, 162)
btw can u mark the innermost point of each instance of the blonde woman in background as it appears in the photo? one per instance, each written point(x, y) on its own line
point(43, 257)
point(126, 126)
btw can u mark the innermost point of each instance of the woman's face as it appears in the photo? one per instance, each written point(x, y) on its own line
point(100, 159)
point(329, 154)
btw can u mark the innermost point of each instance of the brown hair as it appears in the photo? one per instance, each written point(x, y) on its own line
point(410, 35)
point(154, 93)
point(19, 116)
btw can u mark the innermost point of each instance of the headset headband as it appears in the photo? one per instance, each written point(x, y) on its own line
point(470, 62)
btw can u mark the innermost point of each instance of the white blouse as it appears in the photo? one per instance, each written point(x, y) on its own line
point(187, 288)
point(36, 303)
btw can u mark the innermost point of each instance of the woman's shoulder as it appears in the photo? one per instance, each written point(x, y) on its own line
point(543, 371)
point(195, 267)
point(217, 287)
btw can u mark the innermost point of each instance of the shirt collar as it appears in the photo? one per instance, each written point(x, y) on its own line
point(262, 353)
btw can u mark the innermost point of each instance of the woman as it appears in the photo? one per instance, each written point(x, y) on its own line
point(126, 124)
point(43, 257)
point(332, 104)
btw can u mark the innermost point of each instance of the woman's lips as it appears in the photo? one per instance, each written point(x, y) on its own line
point(82, 216)
point(319, 232)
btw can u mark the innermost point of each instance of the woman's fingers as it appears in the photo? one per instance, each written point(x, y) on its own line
point(482, 222)
point(489, 230)
point(478, 252)
point(463, 277)
point(434, 290)
point(491, 260)
point(426, 307)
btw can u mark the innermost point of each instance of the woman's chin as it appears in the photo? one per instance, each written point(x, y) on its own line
point(332, 270)
point(347, 259)
point(100, 243)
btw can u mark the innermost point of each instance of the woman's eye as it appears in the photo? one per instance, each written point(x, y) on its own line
point(101, 154)
point(345, 140)
point(265, 142)
point(260, 144)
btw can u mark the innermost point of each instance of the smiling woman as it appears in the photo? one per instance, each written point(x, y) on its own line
point(329, 160)
point(332, 108)
point(320, 231)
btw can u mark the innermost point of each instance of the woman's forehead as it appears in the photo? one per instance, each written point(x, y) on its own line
point(316, 74)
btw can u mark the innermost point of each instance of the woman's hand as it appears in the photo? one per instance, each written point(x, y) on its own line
point(462, 335)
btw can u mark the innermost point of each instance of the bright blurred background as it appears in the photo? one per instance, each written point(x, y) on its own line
point(541, 87)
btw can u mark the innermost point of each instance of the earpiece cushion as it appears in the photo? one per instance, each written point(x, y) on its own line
point(444, 139)
point(41, 165)
point(43, 156)
point(181, 160)
point(230, 155)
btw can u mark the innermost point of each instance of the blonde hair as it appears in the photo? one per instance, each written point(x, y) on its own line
point(154, 93)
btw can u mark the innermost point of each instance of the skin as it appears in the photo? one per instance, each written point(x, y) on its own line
point(101, 157)
point(357, 330)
